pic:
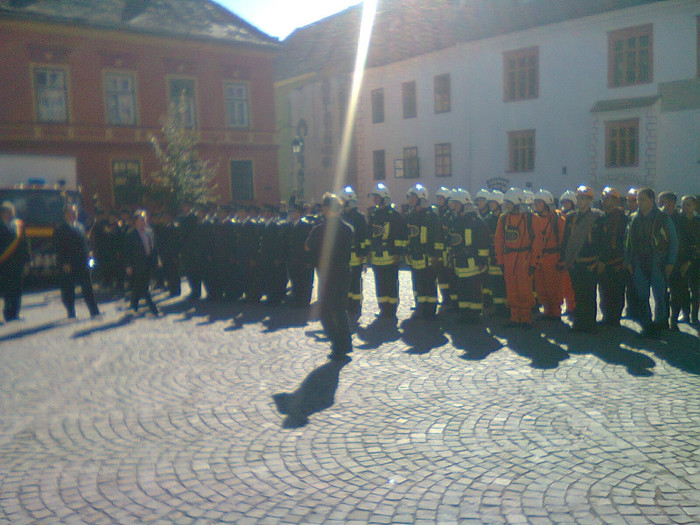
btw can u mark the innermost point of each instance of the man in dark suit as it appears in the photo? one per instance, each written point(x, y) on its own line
point(73, 255)
point(142, 259)
point(14, 254)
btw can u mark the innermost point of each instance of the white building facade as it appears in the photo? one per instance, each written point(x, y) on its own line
point(610, 99)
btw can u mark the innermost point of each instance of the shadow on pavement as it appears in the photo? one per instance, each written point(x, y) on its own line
point(422, 336)
point(316, 393)
point(122, 321)
point(33, 330)
point(381, 330)
point(535, 343)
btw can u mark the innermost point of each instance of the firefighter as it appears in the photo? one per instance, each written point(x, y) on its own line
point(611, 272)
point(548, 228)
point(358, 255)
point(567, 204)
point(468, 243)
point(442, 197)
point(495, 287)
point(481, 199)
point(581, 252)
point(423, 250)
point(388, 238)
point(513, 246)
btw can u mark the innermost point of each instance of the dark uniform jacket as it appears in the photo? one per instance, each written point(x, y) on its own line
point(14, 250)
point(388, 235)
point(425, 238)
point(361, 242)
point(468, 242)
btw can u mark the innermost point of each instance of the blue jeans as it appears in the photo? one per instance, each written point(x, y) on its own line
point(657, 283)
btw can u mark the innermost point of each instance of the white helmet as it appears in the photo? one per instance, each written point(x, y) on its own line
point(514, 195)
point(545, 196)
point(462, 196)
point(483, 194)
point(529, 197)
point(348, 194)
point(381, 190)
point(419, 191)
point(496, 196)
point(443, 192)
point(568, 195)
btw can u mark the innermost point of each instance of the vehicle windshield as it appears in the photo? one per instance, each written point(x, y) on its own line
point(39, 207)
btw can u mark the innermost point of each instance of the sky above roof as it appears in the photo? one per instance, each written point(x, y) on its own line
point(279, 18)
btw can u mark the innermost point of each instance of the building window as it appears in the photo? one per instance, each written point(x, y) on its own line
point(379, 164)
point(242, 188)
point(183, 90)
point(120, 98)
point(51, 89)
point(630, 56)
point(410, 163)
point(408, 92)
point(237, 107)
point(126, 176)
point(377, 106)
point(442, 93)
point(521, 74)
point(521, 151)
point(443, 160)
point(622, 143)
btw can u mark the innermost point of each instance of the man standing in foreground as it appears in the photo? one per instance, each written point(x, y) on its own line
point(14, 254)
point(73, 256)
point(142, 261)
point(330, 244)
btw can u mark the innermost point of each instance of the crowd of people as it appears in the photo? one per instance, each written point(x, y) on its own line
point(514, 254)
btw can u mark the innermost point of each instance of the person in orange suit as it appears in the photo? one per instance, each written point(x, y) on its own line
point(548, 229)
point(567, 203)
point(513, 251)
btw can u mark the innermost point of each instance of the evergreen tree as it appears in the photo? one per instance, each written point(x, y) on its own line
point(183, 177)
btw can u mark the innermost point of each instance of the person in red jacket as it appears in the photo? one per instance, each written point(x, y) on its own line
point(513, 251)
point(548, 229)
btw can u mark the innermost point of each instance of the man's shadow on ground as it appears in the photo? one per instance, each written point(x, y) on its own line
point(316, 393)
point(421, 336)
point(381, 330)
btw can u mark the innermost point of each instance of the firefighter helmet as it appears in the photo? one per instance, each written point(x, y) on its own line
point(443, 192)
point(419, 191)
point(529, 197)
point(544, 196)
point(483, 194)
point(610, 192)
point(462, 196)
point(381, 190)
point(348, 194)
point(514, 195)
point(585, 191)
point(496, 196)
point(568, 195)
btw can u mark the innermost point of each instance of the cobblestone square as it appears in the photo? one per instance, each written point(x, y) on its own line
point(230, 413)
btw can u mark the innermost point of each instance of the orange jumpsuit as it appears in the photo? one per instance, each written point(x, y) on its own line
point(513, 251)
point(548, 231)
point(567, 289)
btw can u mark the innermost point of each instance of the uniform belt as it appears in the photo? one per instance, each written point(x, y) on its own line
point(550, 250)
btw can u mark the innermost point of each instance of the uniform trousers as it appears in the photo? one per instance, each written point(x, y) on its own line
point(355, 293)
point(333, 298)
point(470, 299)
point(583, 281)
point(548, 285)
point(425, 291)
point(69, 280)
point(611, 284)
point(518, 287)
point(301, 276)
point(386, 279)
point(11, 288)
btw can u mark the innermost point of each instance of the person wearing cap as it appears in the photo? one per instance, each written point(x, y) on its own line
point(611, 272)
point(299, 263)
point(495, 287)
point(651, 249)
point(513, 244)
point(443, 270)
point(423, 249)
point(193, 249)
point(330, 244)
point(567, 206)
point(73, 255)
point(14, 255)
point(358, 255)
point(548, 229)
point(142, 260)
point(679, 296)
point(631, 201)
point(273, 254)
point(580, 254)
point(388, 239)
point(468, 247)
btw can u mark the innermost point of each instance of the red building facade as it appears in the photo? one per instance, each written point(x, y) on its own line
point(97, 90)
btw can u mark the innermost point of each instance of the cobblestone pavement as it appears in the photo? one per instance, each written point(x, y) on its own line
point(178, 420)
